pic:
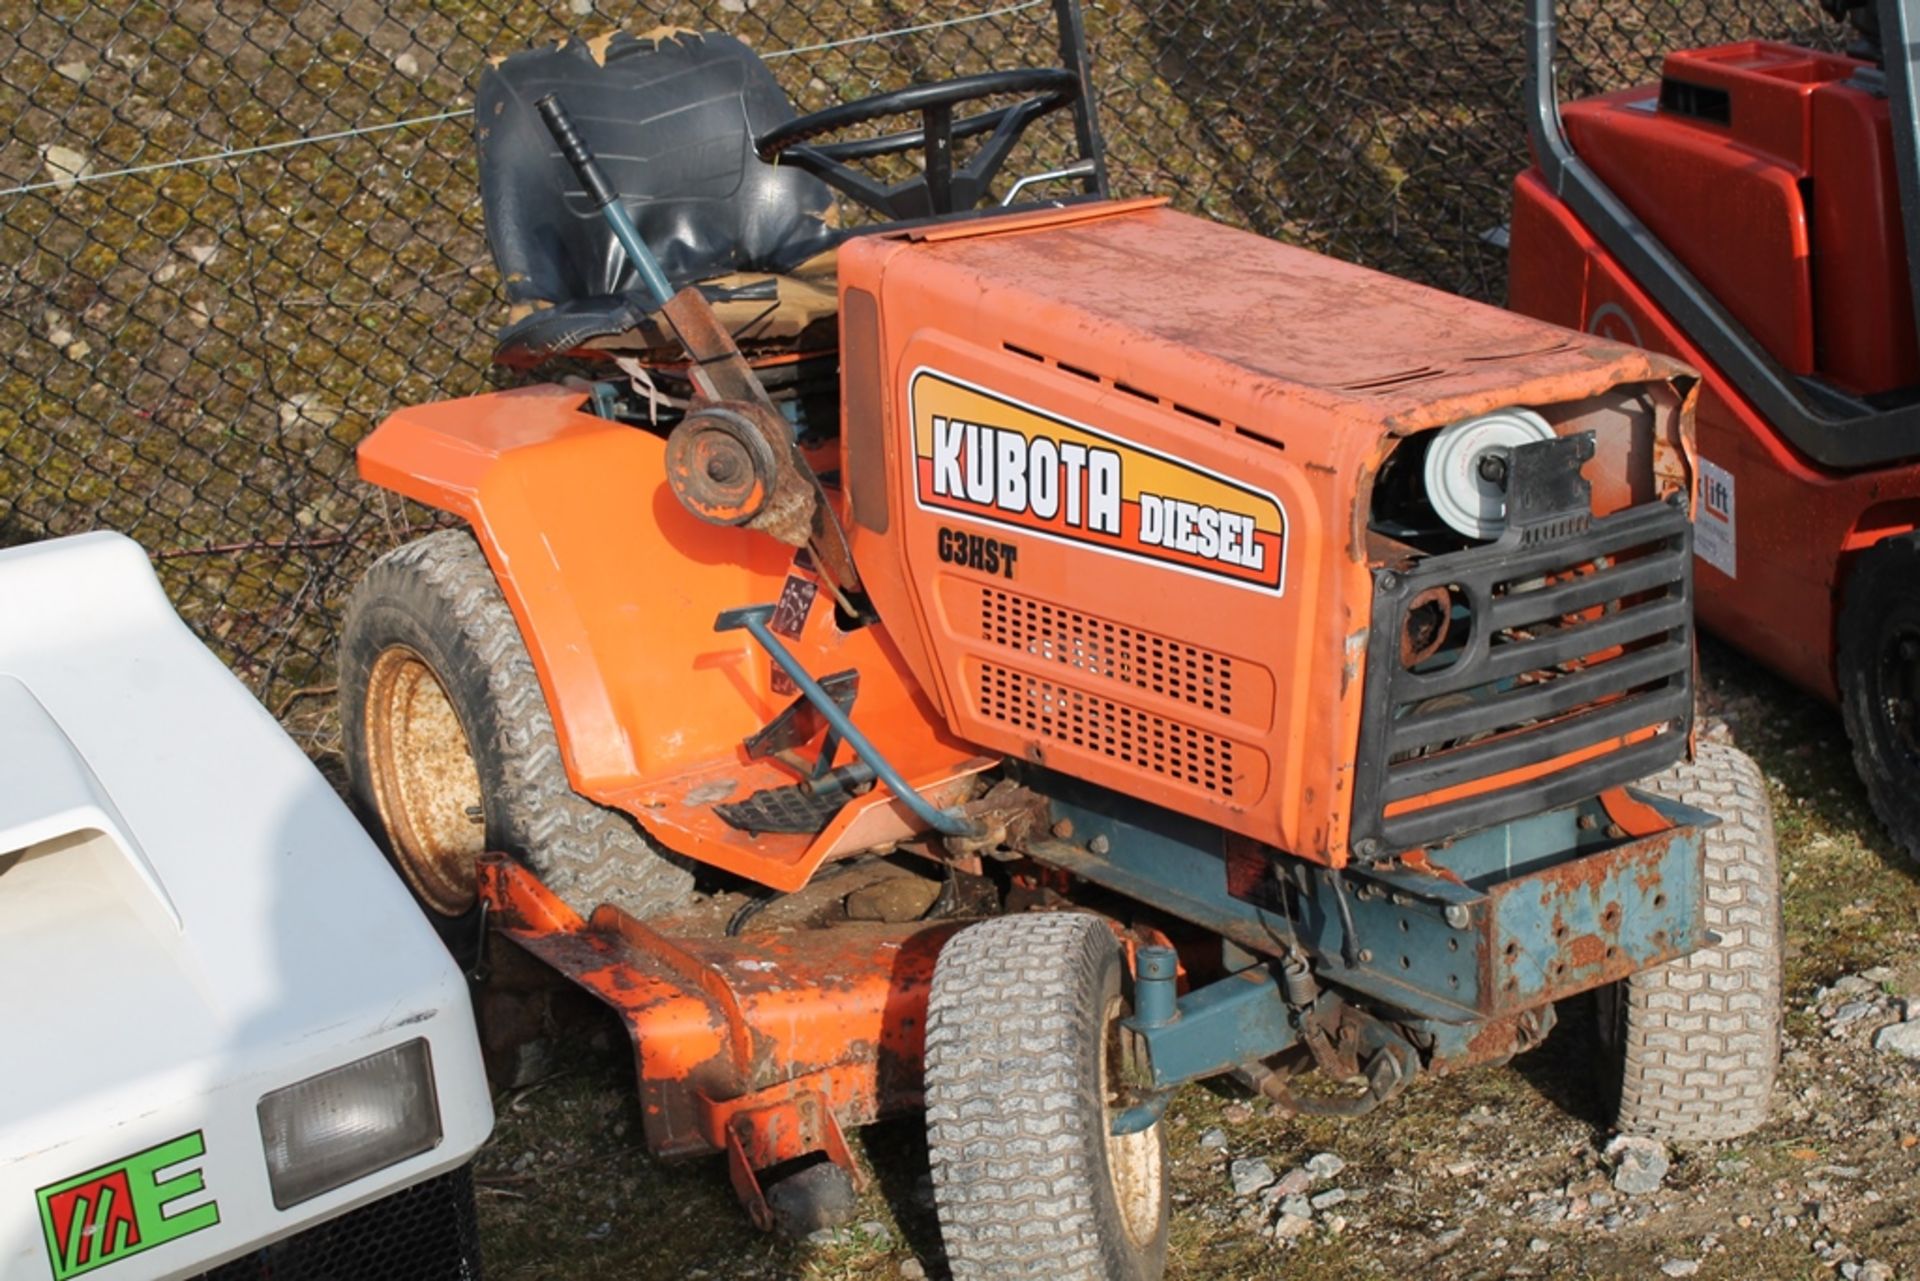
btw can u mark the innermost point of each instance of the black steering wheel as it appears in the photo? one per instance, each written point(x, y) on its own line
point(939, 188)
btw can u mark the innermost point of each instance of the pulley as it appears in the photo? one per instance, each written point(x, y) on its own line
point(1466, 468)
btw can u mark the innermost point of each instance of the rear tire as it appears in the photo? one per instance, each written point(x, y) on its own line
point(1694, 1044)
point(451, 751)
point(1021, 1067)
point(1879, 669)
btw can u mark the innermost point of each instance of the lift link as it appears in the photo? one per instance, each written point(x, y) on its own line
point(753, 619)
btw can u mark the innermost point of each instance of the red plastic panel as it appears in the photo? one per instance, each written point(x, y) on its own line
point(1732, 214)
point(1863, 303)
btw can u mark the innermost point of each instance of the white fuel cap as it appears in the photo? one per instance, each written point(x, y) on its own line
point(1463, 494)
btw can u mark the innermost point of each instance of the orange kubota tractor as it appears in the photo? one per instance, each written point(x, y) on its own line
point(1031, 650)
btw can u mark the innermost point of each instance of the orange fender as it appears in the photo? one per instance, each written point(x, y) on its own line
point(616, 587)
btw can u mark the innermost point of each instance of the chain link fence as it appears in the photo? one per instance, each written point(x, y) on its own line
point(235, 233)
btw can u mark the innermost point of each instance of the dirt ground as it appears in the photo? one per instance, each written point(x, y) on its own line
point(1498, 1172)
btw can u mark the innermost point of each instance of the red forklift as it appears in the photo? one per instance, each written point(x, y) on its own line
point(1756, 213)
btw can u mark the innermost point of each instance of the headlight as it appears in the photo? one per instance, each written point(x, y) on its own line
point(328, 1130)
point(1466, 470)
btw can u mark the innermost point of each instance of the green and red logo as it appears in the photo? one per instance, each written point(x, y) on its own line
point(121, 1209)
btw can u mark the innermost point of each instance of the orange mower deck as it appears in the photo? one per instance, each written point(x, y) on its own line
point(763, 1048)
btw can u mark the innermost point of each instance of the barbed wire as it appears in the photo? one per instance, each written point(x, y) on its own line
point(364, 131)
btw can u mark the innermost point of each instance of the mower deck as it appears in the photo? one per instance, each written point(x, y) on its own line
point(761, 1047)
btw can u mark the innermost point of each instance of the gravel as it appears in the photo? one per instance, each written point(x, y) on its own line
point(1871, 1270)
point(1249, 1175)
point(1325, 1165)
point(1902, 1039)
point(1640, 1164)
point(1289, 1226)
point(1292, 1183)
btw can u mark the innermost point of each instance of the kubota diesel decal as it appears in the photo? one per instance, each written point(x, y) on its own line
point(119, 1210)
point(982, 455)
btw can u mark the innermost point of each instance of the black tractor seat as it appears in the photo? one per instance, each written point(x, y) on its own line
point(672, 116)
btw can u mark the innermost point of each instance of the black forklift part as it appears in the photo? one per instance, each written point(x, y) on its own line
point(1829, 427)
point(753, 619)
point(823, 790)
point(805, 807)
point(798, 724)
point(941, 187)
point(605, 198)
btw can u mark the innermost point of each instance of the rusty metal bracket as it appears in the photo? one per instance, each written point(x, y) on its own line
point(1528, 912)
point(794, 507)
point(774, 1126)
point(1390, 1068)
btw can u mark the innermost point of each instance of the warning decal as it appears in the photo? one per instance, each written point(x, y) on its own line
point(981, 455)
point(1713, 521)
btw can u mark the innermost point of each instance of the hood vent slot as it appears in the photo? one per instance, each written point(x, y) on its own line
point(1126, 389)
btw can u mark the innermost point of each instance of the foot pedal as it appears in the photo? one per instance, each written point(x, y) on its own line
point(803, 808)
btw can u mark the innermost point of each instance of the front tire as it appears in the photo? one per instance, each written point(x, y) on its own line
point(1878, 665)
point(1024, 1055)
point(451, 751)
point(1694, 1044)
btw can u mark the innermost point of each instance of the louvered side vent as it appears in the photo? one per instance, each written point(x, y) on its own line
point(1173, 750)
point(1098, 647)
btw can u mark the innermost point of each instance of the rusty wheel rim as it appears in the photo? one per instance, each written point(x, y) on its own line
point(425, 781)
point(1133, 1160)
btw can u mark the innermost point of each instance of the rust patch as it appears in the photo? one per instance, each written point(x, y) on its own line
point(1418, 860)
point(1493, 1043)
point(426, 785)
point(1246, 866)
point(1588, 951)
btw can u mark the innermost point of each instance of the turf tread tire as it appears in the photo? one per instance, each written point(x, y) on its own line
point(1697, 1040)
point(438, 595)
point(1015, 1118)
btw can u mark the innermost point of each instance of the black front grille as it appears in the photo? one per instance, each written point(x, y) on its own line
point(1556, 649)
point(427, 1232)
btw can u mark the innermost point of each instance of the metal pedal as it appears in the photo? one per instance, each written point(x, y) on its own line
point(805, 808)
